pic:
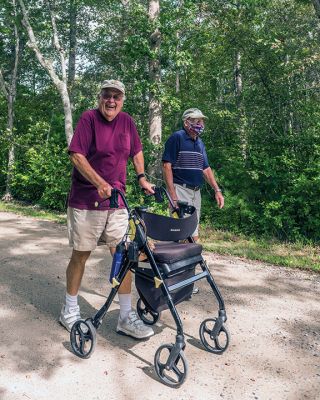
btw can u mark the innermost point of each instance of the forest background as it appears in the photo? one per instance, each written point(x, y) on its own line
point(251, 66)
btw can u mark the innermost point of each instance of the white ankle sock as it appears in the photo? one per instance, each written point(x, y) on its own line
point(71, 301)
point(125, 304)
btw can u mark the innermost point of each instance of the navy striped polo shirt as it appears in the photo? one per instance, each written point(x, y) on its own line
point(188, 158)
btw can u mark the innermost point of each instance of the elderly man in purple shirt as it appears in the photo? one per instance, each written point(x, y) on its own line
point(104, 139)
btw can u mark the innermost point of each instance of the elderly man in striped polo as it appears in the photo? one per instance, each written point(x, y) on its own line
point(185, 164)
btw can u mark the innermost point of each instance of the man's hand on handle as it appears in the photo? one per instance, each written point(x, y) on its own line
point(104, 190)
point(146, 186)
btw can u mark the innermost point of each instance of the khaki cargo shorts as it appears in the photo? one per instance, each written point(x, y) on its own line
point(89, 228)
point(193, 198)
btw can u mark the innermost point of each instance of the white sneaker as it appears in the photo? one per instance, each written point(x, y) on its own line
point(133, 326)
point(69, 316)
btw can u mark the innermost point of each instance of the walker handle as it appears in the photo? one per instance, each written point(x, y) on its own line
point(158, 194)
point(159, 191)
point(114, 202)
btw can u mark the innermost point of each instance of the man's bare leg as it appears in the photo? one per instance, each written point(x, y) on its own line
point(70, 312)
point(75, 271)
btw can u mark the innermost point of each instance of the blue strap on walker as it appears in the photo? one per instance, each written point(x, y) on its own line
point(117, 261)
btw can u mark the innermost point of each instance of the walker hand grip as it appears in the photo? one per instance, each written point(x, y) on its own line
point(149, 194)
point(114, 203)
point(158, 194)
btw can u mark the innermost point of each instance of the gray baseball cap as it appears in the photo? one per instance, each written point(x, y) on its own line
point(192, 113)
point(113, 84)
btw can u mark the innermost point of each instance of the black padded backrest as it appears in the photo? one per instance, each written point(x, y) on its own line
point(160, 227)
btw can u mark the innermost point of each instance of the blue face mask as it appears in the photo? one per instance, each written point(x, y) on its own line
point(196, 128)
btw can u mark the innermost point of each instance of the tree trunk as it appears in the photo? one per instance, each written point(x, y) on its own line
point(289, 103)
point(72, 43)
point(155, 111)
point(11, 154)
point(155, 108)
point(10, 92)
point(60, 83)
point(11, 158)
point(238, 95)
point(68, 123)
point(238, 77)
point(178, 113)
point(316, 4)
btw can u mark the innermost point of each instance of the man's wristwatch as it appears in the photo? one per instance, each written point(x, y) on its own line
point(217, 190)
point(140, 176)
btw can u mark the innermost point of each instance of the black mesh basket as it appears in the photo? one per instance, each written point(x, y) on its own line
point(153, 297)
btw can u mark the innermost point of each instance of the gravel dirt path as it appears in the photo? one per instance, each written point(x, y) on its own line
point(273, 317)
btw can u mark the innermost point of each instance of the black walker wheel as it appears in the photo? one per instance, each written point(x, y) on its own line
point(216, 344)
point(83, 338)
point(149, 317)
point(177, 374)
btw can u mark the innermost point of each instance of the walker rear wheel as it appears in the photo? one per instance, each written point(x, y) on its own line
point(176, 375)
point(149, 317)
point(215, 344)
point(83, 338)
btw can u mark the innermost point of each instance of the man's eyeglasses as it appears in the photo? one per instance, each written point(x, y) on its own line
point(109, 96)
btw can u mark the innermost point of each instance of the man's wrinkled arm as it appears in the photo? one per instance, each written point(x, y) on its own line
point(168, 178)
point(138, 163)
point(81, 163)
point(209, 177)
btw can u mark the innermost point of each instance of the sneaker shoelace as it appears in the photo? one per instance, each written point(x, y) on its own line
point(74, 309)
point(135, 320)
point(73, 312)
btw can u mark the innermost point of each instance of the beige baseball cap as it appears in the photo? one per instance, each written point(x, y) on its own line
point(113, 84)
point(192, 113)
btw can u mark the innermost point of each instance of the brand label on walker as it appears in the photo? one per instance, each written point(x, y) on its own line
point(174, 230)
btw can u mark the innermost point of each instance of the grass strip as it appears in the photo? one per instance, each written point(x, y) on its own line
point(295, 255)
point(32, 211)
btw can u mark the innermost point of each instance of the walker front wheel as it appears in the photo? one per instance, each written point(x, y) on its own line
point(171, 376)
point(149, 317)
point(83, 338)
point(215, 344)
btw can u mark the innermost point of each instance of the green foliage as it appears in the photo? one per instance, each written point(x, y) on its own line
point(43, 177)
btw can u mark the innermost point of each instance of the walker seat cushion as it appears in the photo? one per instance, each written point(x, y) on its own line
point(171, 252)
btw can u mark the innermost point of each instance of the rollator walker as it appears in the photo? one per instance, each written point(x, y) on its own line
point(166, 281)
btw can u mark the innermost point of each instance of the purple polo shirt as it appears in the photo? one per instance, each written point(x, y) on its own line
point(107, 146)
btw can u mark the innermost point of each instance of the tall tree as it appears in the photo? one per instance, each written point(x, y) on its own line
point(73, 10)
point(9, 89)
point(60, 82)
point(155, 108)
point(240, 106)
